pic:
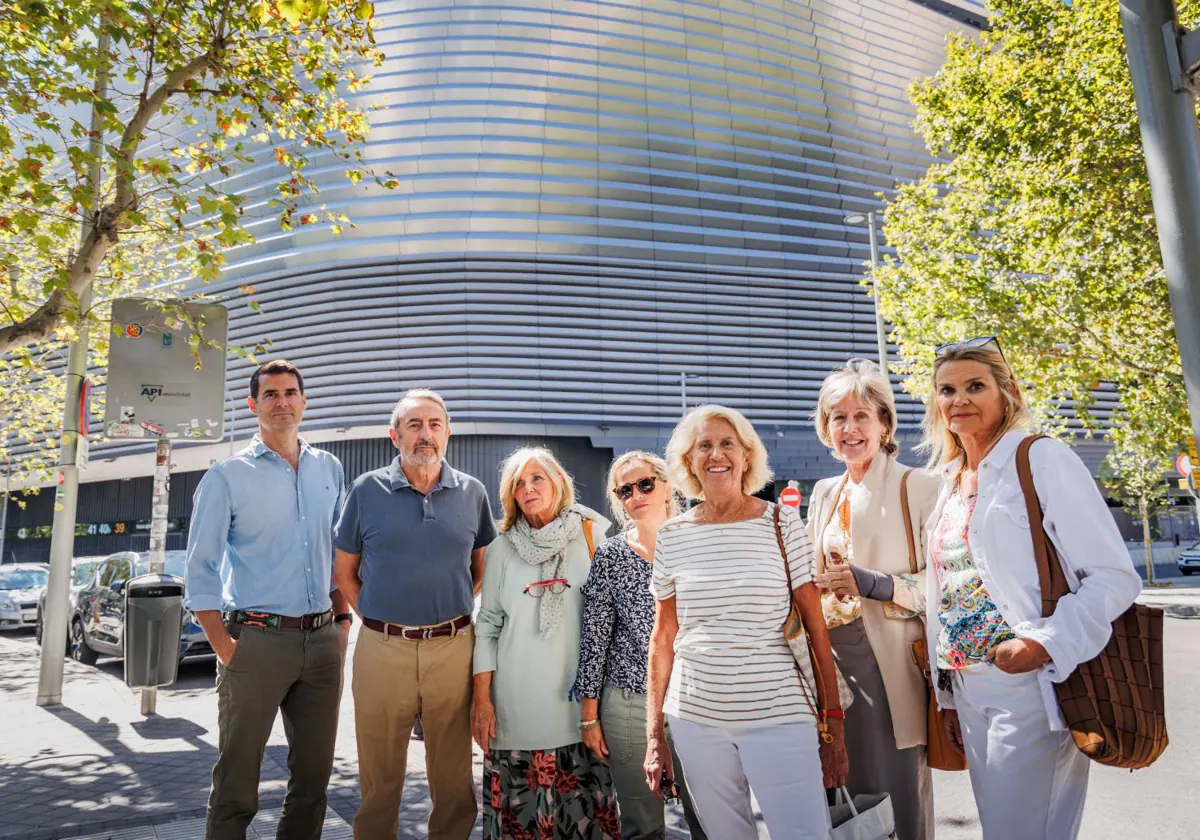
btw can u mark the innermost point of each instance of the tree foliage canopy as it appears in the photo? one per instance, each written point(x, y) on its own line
point(209, 100)
point(1037, 224)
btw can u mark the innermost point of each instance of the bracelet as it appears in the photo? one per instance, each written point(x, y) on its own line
point(836, 714)
point(340, 617)
point(588, 724)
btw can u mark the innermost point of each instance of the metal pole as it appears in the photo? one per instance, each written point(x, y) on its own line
point(880, 331)
point(4, 510)
point(160, 507)
point(62, 540)
point(683, 391)
point(1171, 142)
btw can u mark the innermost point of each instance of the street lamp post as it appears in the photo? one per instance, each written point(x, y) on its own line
point(880, 332)
point(683, 379)
point(1164, 59)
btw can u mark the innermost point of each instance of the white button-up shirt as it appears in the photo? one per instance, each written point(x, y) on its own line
point(1095, 561)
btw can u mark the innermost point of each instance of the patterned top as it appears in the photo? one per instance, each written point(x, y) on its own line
point(838, 549)
point(733, 667)
point(971, 625)
point(618, 615)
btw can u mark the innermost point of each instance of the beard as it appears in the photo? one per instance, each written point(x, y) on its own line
point(423, 457)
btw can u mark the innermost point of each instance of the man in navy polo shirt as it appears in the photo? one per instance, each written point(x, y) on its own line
point(410, 544)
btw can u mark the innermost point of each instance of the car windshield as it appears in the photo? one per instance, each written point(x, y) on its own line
point(174, 564)
point(22, 578)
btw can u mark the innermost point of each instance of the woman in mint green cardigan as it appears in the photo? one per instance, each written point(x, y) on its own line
point(537, 771)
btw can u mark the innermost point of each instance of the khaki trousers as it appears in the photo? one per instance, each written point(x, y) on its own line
point(394, 680)
point(298, 673)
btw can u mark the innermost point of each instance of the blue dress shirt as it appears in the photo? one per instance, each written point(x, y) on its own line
point(261, 535)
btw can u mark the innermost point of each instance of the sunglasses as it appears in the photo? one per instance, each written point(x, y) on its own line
point(644, 486)
point(555, 586)
point(970, 344)
point(669, 787)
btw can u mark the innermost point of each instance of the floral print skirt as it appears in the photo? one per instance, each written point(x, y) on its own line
point(557, 794)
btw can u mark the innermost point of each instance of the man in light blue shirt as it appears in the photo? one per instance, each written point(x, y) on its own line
point(259, 580)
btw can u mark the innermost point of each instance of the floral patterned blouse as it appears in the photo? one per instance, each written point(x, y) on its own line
point(970, 623)
point(618, 615)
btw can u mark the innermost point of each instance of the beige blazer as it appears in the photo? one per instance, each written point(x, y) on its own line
point(880, 543)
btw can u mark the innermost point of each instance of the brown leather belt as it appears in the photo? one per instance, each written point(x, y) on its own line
point(416, 634)
point(253, 618)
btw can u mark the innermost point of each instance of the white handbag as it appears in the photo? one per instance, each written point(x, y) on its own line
point(867, 816)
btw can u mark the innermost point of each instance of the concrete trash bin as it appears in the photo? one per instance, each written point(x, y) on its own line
point(153, 618)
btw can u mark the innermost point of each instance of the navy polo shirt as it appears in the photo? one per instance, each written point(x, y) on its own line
point(415, 548)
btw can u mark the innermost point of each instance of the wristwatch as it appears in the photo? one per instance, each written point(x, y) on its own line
point(340, 617)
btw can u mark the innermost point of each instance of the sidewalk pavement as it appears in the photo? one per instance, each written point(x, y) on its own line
point(94, 768)
point(1179, 597)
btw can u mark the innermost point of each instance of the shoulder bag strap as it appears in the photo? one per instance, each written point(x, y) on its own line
point(782, 549)
point(1042, 553)
point(908, 528)
point(587, 535)
point(805, 688)
point(819, 542)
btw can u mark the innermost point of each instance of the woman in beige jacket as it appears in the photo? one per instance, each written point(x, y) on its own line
point(874, 602)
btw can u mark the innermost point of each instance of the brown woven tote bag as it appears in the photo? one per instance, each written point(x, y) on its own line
point(1114, 704)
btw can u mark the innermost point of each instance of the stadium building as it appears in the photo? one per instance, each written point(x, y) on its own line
point(601, 206)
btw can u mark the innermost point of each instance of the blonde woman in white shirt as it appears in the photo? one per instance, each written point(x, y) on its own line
point(996, 656)
point(719, 665)
point(874, 603)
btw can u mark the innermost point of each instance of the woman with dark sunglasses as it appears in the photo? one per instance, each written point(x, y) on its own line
point(537, 771)
point(618, 615)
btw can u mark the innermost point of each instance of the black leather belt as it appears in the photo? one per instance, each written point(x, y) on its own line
point(253, 618)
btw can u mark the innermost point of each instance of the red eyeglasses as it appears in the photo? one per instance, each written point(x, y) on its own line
point(555, 586)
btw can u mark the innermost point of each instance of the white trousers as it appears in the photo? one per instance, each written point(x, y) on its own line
point(1029, 781)
point(781, 763)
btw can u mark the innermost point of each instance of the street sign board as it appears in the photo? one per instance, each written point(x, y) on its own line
point(1183, 464)
point(790, 496)
point(158, 385)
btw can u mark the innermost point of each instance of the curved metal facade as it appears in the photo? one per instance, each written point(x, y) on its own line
point(594, 197)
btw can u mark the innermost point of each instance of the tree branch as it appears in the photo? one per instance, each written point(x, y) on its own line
point(40, 325)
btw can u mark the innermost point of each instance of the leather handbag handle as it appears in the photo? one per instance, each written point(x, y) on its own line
point(819, 543)
point(908, 528)
point(591, 542)
point(787, 567)
point(1051, 579)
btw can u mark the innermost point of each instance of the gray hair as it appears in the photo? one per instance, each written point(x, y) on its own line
point(863, 380)
point(417, 394)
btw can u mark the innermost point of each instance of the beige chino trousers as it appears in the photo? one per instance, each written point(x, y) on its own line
point(395, 680)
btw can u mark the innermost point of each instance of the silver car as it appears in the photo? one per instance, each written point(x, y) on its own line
point(21, 584)
point(82, 571)
point(98, 620)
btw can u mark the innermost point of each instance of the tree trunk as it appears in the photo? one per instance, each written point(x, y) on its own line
point(1144, 509)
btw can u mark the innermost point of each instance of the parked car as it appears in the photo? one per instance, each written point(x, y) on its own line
point(98, 620)
point(82, 571)
point(1189, 560)
point(20, 586)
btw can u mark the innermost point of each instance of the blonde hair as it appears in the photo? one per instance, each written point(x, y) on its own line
point(679, 448)
point(943, 445)
point(417, 394)
point(657, 466)
point(862, 380)
point(510, 471)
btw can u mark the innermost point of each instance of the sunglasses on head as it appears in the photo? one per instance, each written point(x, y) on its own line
point(555, 586)
point(970, 344)
point(644, 486)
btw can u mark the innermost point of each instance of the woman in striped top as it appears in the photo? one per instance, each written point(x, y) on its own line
point(720, 668)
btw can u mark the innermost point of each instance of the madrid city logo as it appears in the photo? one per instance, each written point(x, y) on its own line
point(152, 391)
